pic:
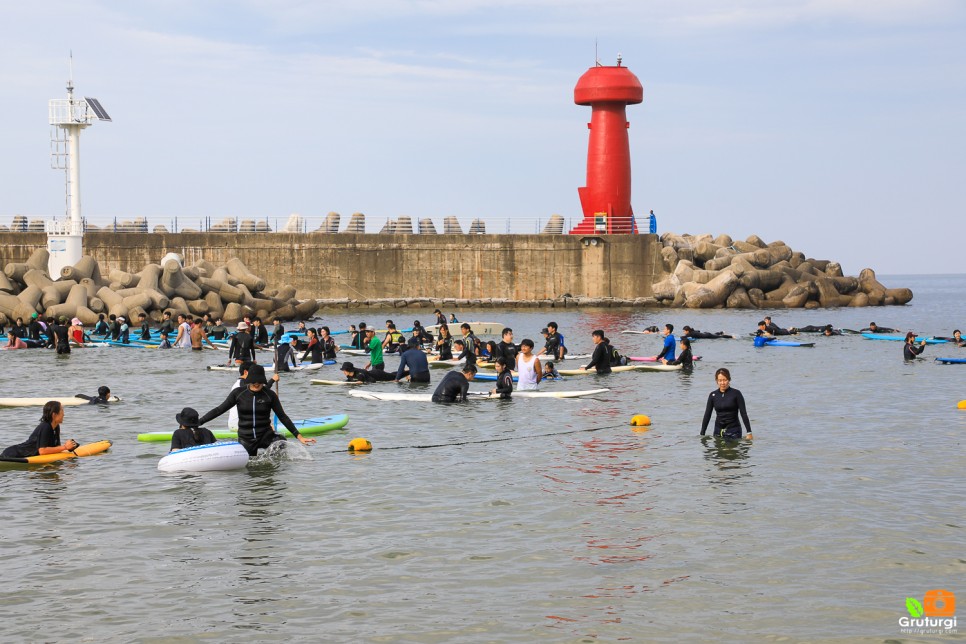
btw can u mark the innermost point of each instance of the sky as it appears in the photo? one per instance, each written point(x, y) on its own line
point(837, 126)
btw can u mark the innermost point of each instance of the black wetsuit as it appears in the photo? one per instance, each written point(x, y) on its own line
point(285, 357)
point(34, 330)
point(504, 384)
point(19, 331)
point(686, 360)
point(452, 388)
point(328, 347)
point(241, 348)
point(115, 330)
point(96, 400)
point(254, 417)
point(188, 437)
point(63, 341)
point(508, 351)
point(261, 335)
point(774, 329)
point(361, 375)
point(145, 331)
point(167, 325)
point(910, 351)
point(728, 405)
point(878, 329)
point(600, 360)
point(277, 334)
point(552, 345)
point(445, 347)
point(468, 354)
point(218, 332)
point(43, 436)
point(811, 328)
point(315, 350)
point(101, 328)
point(694, 334)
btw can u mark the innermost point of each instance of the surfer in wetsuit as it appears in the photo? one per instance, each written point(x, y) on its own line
point(454, 385)
point(686, 360)
point(189, 433)
point(255, 404)
point(504, 379)
point(45, 439)
point(145, 327)
point(444, 343)
point(286, 356)
point(774, 329)
point(694, 334)
point(61, 337)
point(413, 364)
point(465, 352)
point(103, 396)
point(909, 350)
point(729, 404)
point(875, 328)
point(356, 375)
point(241, 348)
point(600, 360)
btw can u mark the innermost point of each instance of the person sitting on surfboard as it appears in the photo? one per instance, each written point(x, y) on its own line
point(668, 350)
point(255, 404)
point(454, 385)
point(189, 433)
point(45, 439)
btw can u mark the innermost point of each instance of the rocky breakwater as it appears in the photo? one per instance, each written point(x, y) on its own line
point(717, 272)
point(229, 292)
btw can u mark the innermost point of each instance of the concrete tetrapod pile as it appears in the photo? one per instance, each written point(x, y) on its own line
point(716, 272)
point(229, 292)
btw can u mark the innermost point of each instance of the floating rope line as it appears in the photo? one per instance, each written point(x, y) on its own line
point(495, 440)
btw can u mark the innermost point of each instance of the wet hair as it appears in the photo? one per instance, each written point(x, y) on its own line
point(470, 368)
point(956, 331)
point(526, 342)
point(686, 343)
point(465, 326)
point(552, 325)
point(243, 367)
point(326, 329)
point(490, 347)
point(599, 333)
point(761, 323)
point(687, 328)
point(459, 342)
point(505, 331)
point(549, 364)
point(51, 407)
point(669, 327)
point(103, 391)
point(722, 372)
point(500, 361)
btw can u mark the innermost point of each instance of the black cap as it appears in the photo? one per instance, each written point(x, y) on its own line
point(188, 417)
point(256, 375)
point(348, 366)
point(544, 330)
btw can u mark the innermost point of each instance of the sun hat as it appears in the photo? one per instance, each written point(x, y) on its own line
point(188, 417)
point(77, 322)
point(256, 375)
point(242, 325)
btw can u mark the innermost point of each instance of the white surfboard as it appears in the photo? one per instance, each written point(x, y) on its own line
point(622, 368)
point(336, 382)
point(73, 401)
point(206, 458)
point(473, 395)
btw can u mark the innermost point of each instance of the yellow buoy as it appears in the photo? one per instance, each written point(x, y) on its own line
point(360, 445)
point(640, 420)
point(962, 404)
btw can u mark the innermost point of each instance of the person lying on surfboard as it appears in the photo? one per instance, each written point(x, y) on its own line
point(45, 439)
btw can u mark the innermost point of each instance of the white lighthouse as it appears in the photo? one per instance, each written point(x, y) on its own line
point(67, 118)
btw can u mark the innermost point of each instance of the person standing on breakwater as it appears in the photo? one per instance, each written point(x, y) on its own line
point(600, 360)
point(729, 404)
point(255, 404)
point(909, 350)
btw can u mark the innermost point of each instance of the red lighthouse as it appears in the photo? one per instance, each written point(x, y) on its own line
point(606, 199)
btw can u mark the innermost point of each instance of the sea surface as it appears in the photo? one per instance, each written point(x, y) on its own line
point(537, 520)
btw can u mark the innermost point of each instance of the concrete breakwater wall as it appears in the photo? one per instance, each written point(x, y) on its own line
point(366, 267)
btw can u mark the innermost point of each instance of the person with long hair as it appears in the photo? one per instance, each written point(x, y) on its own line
point(45, 439)
point(729, 405)
point(189, 433)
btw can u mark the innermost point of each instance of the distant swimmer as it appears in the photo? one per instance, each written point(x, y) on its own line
point(504, 379)
point(694, 334)
point(256, 404)
point(600, 359)
point(829, 331)
point(650, 329)
point(686, 360)
point(813, 328)
point(45, 439)
point(189, 434)
point(875, 328)
point(957, 339)
point(909, 350)
point(454, 385)
point(103, 396)
point(728, 404)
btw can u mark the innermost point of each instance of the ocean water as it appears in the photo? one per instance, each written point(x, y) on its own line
point(510, 521)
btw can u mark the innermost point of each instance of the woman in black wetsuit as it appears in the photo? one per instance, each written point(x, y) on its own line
point(45, 439)
point(686, 359)
point(728, 403)
point(504, 379)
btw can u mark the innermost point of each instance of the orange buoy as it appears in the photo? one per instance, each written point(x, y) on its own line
point(360, 445)
point(640, 420)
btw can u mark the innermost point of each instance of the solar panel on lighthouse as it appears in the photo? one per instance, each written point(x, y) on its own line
point(97, 108)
